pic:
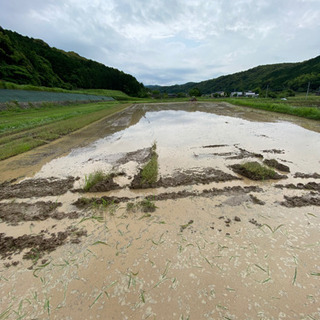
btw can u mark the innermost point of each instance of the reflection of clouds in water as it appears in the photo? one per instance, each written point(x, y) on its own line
point(176, 132)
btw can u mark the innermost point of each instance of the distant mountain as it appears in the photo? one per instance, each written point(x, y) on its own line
point(25, 60)
point(277, 77)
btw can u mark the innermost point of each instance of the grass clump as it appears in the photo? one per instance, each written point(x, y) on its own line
point(149, 172)
point(93, 178)
point(146, 205)
point(255, 171)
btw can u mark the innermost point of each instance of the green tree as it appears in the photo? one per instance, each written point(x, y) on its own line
point(194, 92)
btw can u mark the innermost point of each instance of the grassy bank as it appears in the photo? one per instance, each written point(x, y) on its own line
point(293, 107)
point(22, 130)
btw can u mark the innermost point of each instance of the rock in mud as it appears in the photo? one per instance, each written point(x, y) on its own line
point(273, 163)
point(36, 188)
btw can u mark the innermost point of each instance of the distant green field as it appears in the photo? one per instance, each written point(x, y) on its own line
point(24, 129)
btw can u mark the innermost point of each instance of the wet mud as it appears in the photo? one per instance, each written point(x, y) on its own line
point(200, 243)
point(36, 188)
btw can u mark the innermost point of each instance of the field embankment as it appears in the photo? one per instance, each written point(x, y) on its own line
point(309, 109)
point(24, 129)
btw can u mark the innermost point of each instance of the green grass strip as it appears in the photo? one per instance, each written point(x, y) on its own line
point(13, 143)
point(305, 112)
point(149, 172)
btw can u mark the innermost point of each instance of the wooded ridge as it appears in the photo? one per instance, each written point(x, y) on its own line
point(25, 60)
point(277, 77)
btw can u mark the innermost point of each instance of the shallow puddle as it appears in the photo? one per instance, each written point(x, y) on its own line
point(217, 246)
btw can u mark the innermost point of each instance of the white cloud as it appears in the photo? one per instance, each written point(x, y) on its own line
point(173, 41)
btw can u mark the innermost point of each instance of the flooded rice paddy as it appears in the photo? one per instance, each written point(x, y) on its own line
point(208, 243)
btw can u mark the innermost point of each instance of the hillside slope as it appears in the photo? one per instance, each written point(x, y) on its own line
point(25, 60)
point(277, 77)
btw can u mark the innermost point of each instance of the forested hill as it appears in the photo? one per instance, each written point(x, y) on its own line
point(25, 60)
point(277, 77)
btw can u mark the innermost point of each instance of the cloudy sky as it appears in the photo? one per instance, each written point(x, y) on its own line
point(173, 41)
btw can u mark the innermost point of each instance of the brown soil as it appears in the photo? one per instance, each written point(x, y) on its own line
point(36, 188)
point(273, 163)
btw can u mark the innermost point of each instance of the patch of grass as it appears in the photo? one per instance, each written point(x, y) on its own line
point(147, 205)
point(280, 107)
point(149, 173)
point(93, 178)
point(255, 171)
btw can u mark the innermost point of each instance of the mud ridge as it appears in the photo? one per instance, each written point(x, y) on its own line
point(13, 213)
point(273, 163)
point(307, 175)
point(187, 177)
point(245, 154)
point(303, 201)
point(300, 186)
point(39, 244)
point(36, 188)
point(140, 156)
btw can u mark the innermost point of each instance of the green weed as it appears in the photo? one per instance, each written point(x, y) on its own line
point(149, 172)
point(93, 178)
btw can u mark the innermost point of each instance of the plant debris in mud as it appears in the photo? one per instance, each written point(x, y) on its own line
point(273, 163)
point(36, 188)
point(39, 244)
point(303, 201)
point(146, 205)
point(99, 202)
point(99, 181)
point(185, 226)
point(256, 171)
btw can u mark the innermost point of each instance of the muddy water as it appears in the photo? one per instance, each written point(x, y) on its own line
point(221, 250)
point(182, 133)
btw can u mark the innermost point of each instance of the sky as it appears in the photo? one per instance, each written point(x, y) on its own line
point(168, 42)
